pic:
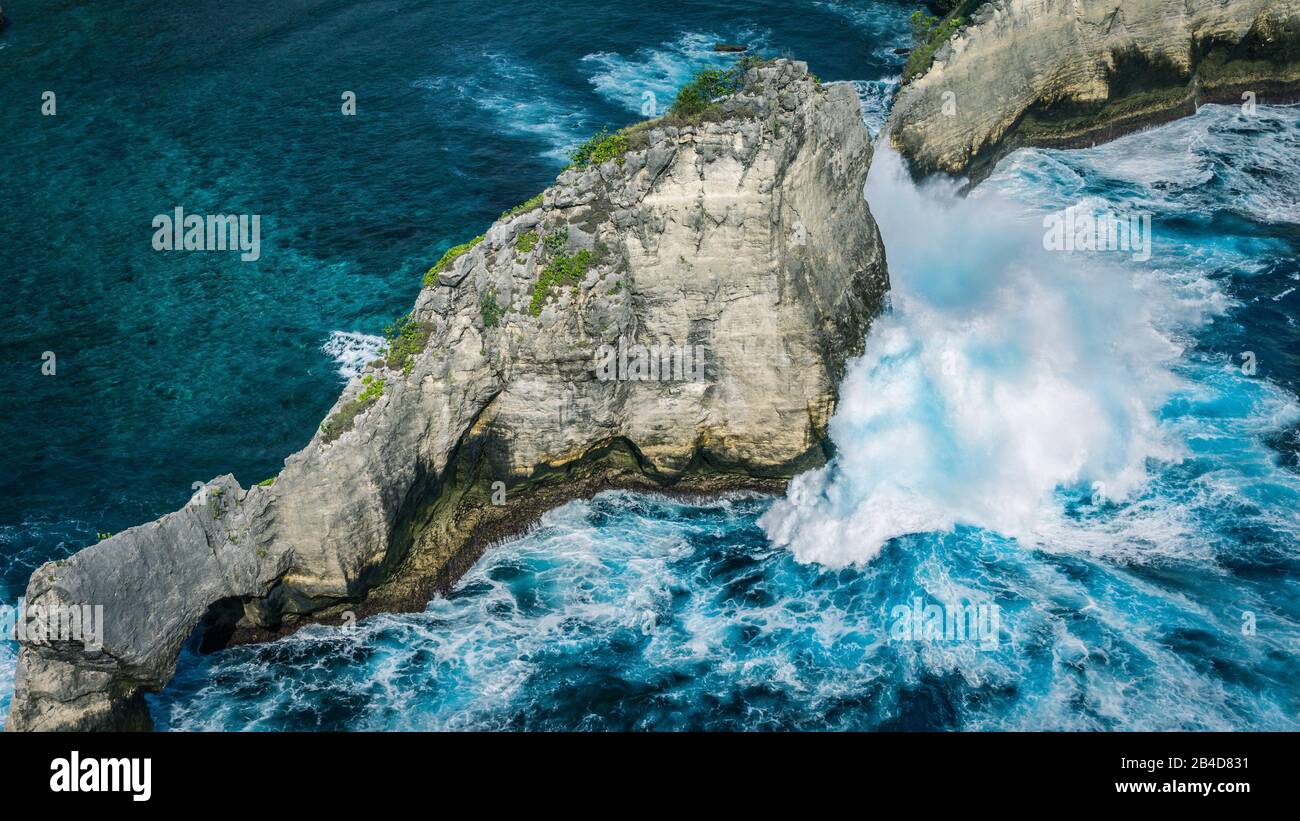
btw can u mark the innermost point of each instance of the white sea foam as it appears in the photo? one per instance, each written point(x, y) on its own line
point(589, 583)
point(876, 97)
point(1249, 158)
point(663, 69)
point(1001, 373)
point(632, 582)
point(352, 351)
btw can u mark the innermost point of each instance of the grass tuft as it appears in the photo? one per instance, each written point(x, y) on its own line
point(523, 207)
point(450, 256)
point(490, 310)
point(526, 242)
point(342, 421)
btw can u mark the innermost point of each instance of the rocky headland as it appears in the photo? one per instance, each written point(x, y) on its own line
point(732, 232)
point(1073, 73)
point(736, 232)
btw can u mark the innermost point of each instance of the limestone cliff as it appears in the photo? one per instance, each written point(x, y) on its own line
point(1071, 73)
point(743, 236)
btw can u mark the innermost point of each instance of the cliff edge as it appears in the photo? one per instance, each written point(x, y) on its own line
point(674, 314)
point(1073, 73)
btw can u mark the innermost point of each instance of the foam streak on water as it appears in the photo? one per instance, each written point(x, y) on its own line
point(519, 98)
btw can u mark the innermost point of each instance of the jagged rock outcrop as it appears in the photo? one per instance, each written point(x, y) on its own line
point(744, 236)
point(1072, 73)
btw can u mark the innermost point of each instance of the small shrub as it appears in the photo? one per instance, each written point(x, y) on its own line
point(922, 26)
point(563, 270)
point(526, 242)
point(697, 95)
point(448, 257)
point(374, 388)
point(556, 240)
point(406, 339)
point(695, 101)
point(745, 63)
point(489, 309)
point(266, 482)
point(601, 147)
point(342, 421)
point(930, 32)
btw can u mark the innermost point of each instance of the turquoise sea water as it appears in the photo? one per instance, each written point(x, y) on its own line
point(1069, 437)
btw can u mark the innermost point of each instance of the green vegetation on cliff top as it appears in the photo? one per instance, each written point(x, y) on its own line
point(696, 102)
point(342, 421)
point(448, 257)
point(930, 32)
point(601, 147)
point(529, 204)
point(406, 338)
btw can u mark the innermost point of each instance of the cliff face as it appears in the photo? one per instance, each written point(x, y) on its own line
point(1071, 73)
point(743, 240)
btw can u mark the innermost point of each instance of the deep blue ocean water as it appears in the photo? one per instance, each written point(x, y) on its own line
point(1071, 438)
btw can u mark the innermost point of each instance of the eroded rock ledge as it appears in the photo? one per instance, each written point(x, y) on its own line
point(746, 235)
point(1073, 73)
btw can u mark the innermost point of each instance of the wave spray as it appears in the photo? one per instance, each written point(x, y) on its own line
point(1001, 373)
